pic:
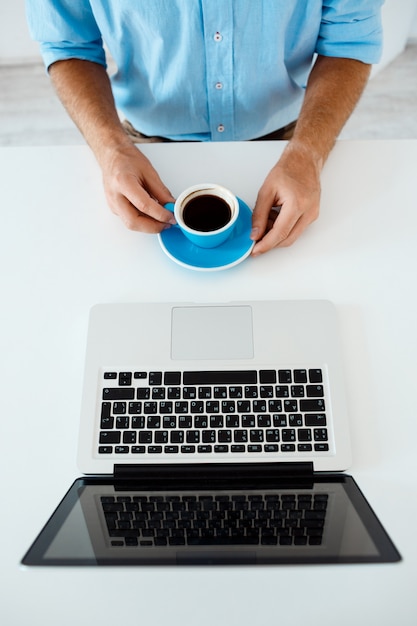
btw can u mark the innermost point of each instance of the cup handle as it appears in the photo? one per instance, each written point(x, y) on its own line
point(170, 206)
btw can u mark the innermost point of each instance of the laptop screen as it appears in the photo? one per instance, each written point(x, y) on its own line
point(106, 522)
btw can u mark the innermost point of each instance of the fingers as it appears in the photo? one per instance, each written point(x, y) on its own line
point(136, 193)
point(140, 211)
point(287, 203)
point(280, 232)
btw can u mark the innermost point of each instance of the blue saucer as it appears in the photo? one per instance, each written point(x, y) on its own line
point(233, 251)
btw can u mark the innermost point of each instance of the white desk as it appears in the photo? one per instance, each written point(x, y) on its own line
point(63, 251)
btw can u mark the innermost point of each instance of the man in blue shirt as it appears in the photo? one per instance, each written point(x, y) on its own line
point(210, 70)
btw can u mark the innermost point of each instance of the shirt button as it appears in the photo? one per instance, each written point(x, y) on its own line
point(220, 128)
point(218, 37)
point(219, 85)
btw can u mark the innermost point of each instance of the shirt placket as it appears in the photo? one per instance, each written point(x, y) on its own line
point(218, 41)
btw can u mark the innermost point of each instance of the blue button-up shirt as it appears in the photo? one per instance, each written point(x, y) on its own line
point(210, 70)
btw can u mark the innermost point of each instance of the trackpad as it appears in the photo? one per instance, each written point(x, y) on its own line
point(212, 332)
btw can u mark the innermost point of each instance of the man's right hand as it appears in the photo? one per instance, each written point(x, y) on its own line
point(134, 190)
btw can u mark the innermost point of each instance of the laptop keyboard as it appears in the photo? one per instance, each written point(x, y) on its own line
point(200, 413)
point(273, 518)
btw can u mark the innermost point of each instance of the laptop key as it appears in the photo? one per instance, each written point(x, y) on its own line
point(118, 393)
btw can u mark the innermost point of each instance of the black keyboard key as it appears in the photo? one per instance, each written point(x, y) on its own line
point(110, 375)
point(118, 393)
point(107, 437)
point(169, 421)
point(138, 421)
point(285, 376)
point(266, 391)
point(295, 419)
point(121, 449)
point(155, 449)
point(280, 420)
point(200, 421)
point(105, 450)
point(153, 421)
point(125, 379)
point(248, 421)
point(321, 447)
point(320, 434)
point(145, 436)
point(288, 434)
point(221, 377)
point(272, 435)
point(291, 406)
point(216, 421)
point(106, 423)
point(315, 391)
point(304, 434)
point(315, 376)
point(122, 422)
point(263, 421)
point(177, 436)
point(143, 393)
point(138, 449)
point(172, 378)
point(267, 376)
point(300, 376)
point(256, 435)
point(251, 391)
point(282, 391)
point(155, 378)
point(224, 436)
point(315, 419)
point(311, 406)
point(240, 436)
point(105, 409)
point(185, 421)
point(297, 391)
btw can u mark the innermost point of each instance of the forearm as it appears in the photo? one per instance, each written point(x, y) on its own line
point(333, 90)
point(84, 89)
point(133, 188)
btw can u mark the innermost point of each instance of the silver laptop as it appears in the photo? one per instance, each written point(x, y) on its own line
point(243, 382)
point(210, 434)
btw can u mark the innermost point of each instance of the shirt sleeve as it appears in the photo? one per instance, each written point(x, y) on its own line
point(351, 30)
point(65, 29)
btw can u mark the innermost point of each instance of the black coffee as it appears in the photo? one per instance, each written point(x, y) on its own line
point(206, 213)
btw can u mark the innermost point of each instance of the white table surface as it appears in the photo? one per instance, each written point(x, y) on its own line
point(62, 251)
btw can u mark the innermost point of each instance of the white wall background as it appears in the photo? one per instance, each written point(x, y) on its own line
point(400, 23)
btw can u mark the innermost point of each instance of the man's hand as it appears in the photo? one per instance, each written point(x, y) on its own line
point(333, 89)
point(134, 190)
point(287, 202)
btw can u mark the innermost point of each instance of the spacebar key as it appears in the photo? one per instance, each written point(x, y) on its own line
point(227, 377)
point(223, 541)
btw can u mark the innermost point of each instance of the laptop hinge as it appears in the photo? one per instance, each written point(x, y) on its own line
point(214, 471)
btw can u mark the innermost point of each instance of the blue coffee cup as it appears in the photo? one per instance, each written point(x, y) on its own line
point(206, 214)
